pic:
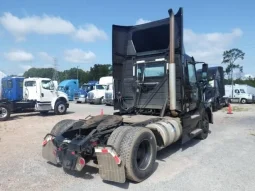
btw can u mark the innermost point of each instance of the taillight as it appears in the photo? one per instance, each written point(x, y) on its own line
point(80, 163)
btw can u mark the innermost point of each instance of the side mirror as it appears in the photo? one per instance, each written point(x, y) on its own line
point(204, 71)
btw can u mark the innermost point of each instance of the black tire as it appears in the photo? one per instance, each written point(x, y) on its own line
point(5, 112)
point(62, 126)
point(117, 136)
point(60, 108)
point(138, 168)
point(243, 101)
point(205, 128)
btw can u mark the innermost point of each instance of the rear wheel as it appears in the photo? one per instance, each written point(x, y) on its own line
point(117, 136)
point(4, 112)
point(138, 152)
point(62, 126)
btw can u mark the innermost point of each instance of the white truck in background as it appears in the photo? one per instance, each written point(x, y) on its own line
point(39, 94)
point(97, 95)
point(109, 95)
point(242, 93)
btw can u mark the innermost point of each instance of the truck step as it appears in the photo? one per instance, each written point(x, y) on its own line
point(196, 132)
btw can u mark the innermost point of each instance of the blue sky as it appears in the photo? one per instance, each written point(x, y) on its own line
point(78, 33)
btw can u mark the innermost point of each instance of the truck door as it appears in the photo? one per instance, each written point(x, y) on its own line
point(236, 93)
point(47, 90)
point(193, 93)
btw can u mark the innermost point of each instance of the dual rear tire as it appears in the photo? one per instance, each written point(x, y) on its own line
point(137, 148)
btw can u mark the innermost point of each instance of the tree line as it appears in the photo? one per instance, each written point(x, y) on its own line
point(95, 73)
point(98, 70)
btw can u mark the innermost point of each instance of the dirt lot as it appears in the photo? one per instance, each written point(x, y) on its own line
point(224, 161)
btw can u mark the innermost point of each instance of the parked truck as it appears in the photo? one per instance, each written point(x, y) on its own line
point(69, 87)
point(39, 94)
point(97, 95)
point(240, 93)
point(81, 95)
point(215, 93)
point(158, 102)
point(109, 95)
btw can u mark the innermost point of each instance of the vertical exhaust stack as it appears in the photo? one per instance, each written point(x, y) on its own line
point(171, 64)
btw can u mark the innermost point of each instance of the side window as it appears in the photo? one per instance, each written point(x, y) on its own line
point(242, 91)
point(30, 83)
point(47, 84)
point(237, 91)
point(192, 73)
point(9, 84)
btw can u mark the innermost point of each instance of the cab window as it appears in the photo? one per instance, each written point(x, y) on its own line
point(242, 91)
point(47, 84)
point(192, 73)
point(237, 91)
point(9, 84)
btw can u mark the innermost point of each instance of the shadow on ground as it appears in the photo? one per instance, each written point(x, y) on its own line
point(20, 115)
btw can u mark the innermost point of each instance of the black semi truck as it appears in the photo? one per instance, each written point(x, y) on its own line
point(158, 101)
point(215, 91)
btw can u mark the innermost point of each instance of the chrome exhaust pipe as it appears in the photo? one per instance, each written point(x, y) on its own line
point(171, 64)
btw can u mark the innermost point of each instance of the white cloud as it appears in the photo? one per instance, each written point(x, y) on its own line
point(45, 56)
point(19, 56)
point(25, 67)
point(90, 33)
point(79, 56)
point(209, 47)
point(48, 25)
point(141, 21)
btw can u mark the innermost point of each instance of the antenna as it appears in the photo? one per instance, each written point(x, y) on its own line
point(55, 73)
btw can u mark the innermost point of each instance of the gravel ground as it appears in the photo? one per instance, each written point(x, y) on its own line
point(224, 161)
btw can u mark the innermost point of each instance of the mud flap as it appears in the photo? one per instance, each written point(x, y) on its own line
point(111, 168)
point(49, 150)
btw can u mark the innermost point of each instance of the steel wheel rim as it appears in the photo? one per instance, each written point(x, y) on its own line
point(61, 108)
point(143, 155)
point(3, 112)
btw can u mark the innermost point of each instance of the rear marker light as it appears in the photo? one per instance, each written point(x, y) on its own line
point(104, 150)
point(82, 161)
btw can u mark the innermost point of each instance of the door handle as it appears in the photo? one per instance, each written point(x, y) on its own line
point(42, 95)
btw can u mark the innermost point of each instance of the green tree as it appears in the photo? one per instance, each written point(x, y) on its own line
point(230, 57)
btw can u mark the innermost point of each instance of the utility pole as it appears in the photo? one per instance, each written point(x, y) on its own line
point(55, 73)
point(77, 73)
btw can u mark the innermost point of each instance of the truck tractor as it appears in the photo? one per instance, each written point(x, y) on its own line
point(69, 87)
point(97, 95)
point(81, 95)
point(39, 94)
point(158, 102)
point(215, 92)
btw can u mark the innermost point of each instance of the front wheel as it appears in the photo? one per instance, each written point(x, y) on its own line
point(243, 101)
point(4, 112)
point(205, 128)
point(60, 108)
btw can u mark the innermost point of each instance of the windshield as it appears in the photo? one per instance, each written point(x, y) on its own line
point(151, 70)
point(109, 87)
point(242, 91)
point(99, 87)
point(87, 87)
point(60, 88)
